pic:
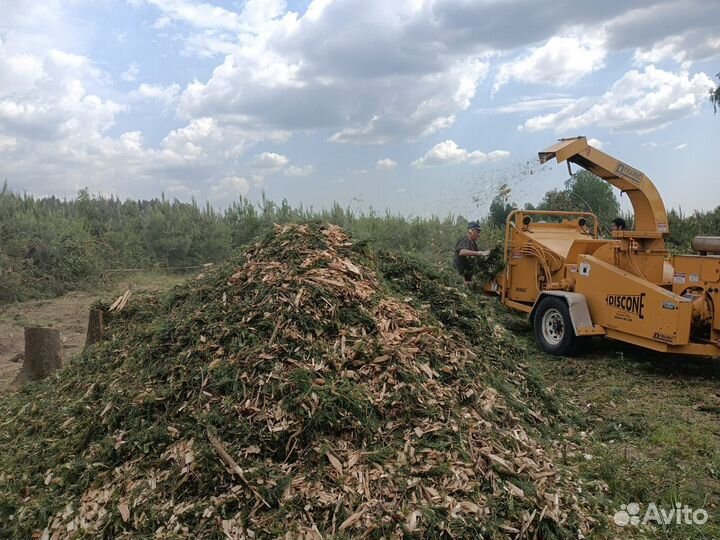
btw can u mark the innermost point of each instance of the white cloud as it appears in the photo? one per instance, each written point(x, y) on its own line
point(209, 44)
point(351, 71)
point(228, 190)
point(638, 102)
point(400, 190)
point(257, 13)
point(18, 71)
point(669, 47)
point(682, 49)
point(196, 14)
point(216, 28)
point(667, 144)
point(419, 71)
point(385, 164)
point(53, 103)
point(207, 143)
point(190, 143)
point(57, 109)
point(449, 153)
point(166, 95)
point(162, 23)
point(197, 155)
point(270, 162)
point(7, 143)
point(683, 32)
point(131, 73)
point(527, 105)
point(55, 131)
point(596, 143)
point(36, 27)
point(562, 61)
point(294, 170)
point(308, 73)
point(133, 140)
point(409, 110)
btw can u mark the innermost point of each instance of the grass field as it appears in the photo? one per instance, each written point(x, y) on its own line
point(653, 426)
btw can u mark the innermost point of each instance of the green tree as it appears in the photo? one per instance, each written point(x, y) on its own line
point(715, 97)
point(595, 194)
point(584, 192)
point(500, 208)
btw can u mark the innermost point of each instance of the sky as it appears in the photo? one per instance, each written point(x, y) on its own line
point(415, 107)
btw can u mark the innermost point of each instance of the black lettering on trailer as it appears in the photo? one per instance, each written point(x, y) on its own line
point(630, 303)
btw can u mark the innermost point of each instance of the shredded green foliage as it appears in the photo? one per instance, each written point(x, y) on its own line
point(486, 268)
point(352, 391)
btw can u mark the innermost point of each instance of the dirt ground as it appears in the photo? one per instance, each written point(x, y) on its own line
point(68, 313)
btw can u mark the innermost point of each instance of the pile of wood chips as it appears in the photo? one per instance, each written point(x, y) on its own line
point(289, 394)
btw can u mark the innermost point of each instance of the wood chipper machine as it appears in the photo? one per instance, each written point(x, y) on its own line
point(575, 284)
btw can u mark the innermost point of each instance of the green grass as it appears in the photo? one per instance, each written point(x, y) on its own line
point(653, 430)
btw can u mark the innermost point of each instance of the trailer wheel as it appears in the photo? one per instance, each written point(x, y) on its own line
point(553, 327)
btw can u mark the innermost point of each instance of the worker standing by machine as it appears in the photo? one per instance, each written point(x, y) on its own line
point(466, 248)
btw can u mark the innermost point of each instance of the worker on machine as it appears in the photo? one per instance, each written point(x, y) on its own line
point(466, 248)
point(618, 224)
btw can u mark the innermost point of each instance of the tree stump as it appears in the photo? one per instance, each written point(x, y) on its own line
point(96, 326)
point(43, 353)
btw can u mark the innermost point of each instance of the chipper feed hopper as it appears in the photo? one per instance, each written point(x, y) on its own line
point(575, 285)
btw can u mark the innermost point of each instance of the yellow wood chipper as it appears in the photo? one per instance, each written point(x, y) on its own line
point(575, 284)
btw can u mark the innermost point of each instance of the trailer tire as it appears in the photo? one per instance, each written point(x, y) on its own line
point(553, 327)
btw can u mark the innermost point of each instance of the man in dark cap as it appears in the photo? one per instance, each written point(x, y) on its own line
point(467, 248)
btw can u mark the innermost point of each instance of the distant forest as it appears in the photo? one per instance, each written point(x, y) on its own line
point(49, 245)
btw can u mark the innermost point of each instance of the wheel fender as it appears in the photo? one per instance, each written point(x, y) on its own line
point(577, 305)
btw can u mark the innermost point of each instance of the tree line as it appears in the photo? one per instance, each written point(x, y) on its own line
point(49, 245)
point(585, 192)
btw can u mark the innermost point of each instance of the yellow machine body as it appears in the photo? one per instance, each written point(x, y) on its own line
point(626, 287)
